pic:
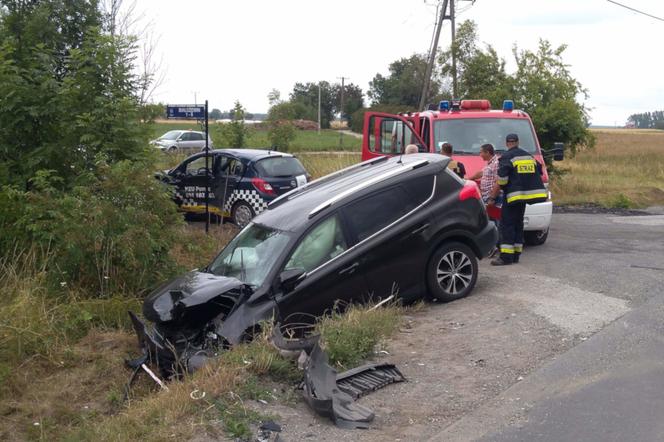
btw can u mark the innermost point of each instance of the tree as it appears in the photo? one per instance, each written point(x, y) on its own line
point(215, 114)
point(353, 99)
point(281, 130)
point(545, 89)
point(648, 120)
point(480, 73)
point(73, 150)
point(69, 92)
point(404, 83)
point(274, 97)
point(235, 133)
point(306, 95)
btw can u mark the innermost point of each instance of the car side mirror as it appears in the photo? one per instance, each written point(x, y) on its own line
point(289, 279)
point(558, 151)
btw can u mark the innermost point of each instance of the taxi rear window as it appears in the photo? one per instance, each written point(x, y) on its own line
point(279, 167)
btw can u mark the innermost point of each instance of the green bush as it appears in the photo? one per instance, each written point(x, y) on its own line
point(357, 118)
point(350, 337)
point(281, 134)
point(111, 233)
point(620, 201)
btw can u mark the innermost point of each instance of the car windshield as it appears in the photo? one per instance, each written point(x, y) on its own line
point(279, 167)
point(251, 255)
point(467, 134)
point(170, 135)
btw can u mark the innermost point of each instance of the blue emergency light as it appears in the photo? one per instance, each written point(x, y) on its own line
point(508, 105)
point(444, 105)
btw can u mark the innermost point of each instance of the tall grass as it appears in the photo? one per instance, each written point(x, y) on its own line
point(625, 169)
point(35, 322)
point(321, 164)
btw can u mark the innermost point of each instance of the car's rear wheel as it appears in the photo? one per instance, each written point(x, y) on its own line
point(452, 271)
point(536, 237)
point(242, 213)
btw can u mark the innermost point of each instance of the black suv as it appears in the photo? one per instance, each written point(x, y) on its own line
point(402, 224)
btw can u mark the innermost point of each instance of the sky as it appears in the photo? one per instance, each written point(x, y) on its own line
point(228, 50)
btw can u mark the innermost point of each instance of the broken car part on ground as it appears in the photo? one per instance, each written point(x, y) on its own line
point(333, 395)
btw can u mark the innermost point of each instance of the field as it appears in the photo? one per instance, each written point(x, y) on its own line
point(625, 170)
point(305, 140)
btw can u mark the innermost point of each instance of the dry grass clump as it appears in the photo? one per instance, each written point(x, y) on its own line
point(321, 164)
point(625, 169)
point(196, 249)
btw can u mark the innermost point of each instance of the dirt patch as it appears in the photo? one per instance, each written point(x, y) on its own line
point(46, 399)
point(455, 356)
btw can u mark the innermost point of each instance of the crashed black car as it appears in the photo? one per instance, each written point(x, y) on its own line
point(403, 225)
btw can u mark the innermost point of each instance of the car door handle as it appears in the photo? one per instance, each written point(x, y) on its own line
point(420, 229)
point(350, 269)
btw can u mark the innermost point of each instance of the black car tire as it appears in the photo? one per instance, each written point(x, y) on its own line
point(452, 271)
point(536, 237)
point(172, 149)
point(242, 213)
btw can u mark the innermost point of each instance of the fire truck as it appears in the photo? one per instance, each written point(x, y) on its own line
point(467, 125)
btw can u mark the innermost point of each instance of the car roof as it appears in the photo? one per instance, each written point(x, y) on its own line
point(252, 154)
point(293, 210)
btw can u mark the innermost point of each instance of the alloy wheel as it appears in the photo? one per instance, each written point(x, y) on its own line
point(454, 272)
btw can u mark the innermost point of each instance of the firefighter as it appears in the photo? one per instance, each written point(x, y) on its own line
point(519, 176)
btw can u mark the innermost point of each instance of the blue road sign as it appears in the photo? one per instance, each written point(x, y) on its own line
point(191, 111)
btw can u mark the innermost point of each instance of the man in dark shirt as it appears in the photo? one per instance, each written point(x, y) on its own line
point(456, 166)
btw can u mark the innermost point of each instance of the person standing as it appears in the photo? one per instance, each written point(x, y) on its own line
point(519, 177)
point(456, 166)
point(487, 177)
point(488, 174)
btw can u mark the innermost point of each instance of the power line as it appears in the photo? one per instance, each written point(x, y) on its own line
point(636, 10)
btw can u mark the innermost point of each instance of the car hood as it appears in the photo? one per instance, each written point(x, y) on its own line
point(194, 299)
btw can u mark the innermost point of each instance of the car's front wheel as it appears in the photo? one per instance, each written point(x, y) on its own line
point(242, 213)
point(536, 237)
point(452, 271)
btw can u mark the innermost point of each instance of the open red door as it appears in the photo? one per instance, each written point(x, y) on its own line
point(388, 134)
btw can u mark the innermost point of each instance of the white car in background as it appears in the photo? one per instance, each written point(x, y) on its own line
point(181, 140)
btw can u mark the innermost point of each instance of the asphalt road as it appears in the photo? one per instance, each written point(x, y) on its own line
point(610, 387)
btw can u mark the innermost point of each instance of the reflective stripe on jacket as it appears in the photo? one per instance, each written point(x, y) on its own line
point(519, 174)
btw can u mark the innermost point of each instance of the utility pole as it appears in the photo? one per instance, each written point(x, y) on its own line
point(319, 108)
point(432, 56)
point(454, 66)
point(341, 112)
point(434, 47)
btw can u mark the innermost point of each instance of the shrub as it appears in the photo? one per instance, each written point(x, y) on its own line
point(357, 118)
point(280, 134)
point(110, 233)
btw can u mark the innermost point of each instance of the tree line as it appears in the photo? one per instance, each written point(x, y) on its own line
point(648, 120)
point(541, 85)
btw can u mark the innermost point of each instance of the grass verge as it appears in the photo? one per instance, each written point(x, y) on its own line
point(624, 170)
point(77, 394)
point(305, 140)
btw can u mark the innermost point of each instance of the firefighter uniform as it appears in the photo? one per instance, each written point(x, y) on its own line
point(519, 175)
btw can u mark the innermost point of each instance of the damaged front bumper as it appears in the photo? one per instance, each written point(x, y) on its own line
point(195, 317)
